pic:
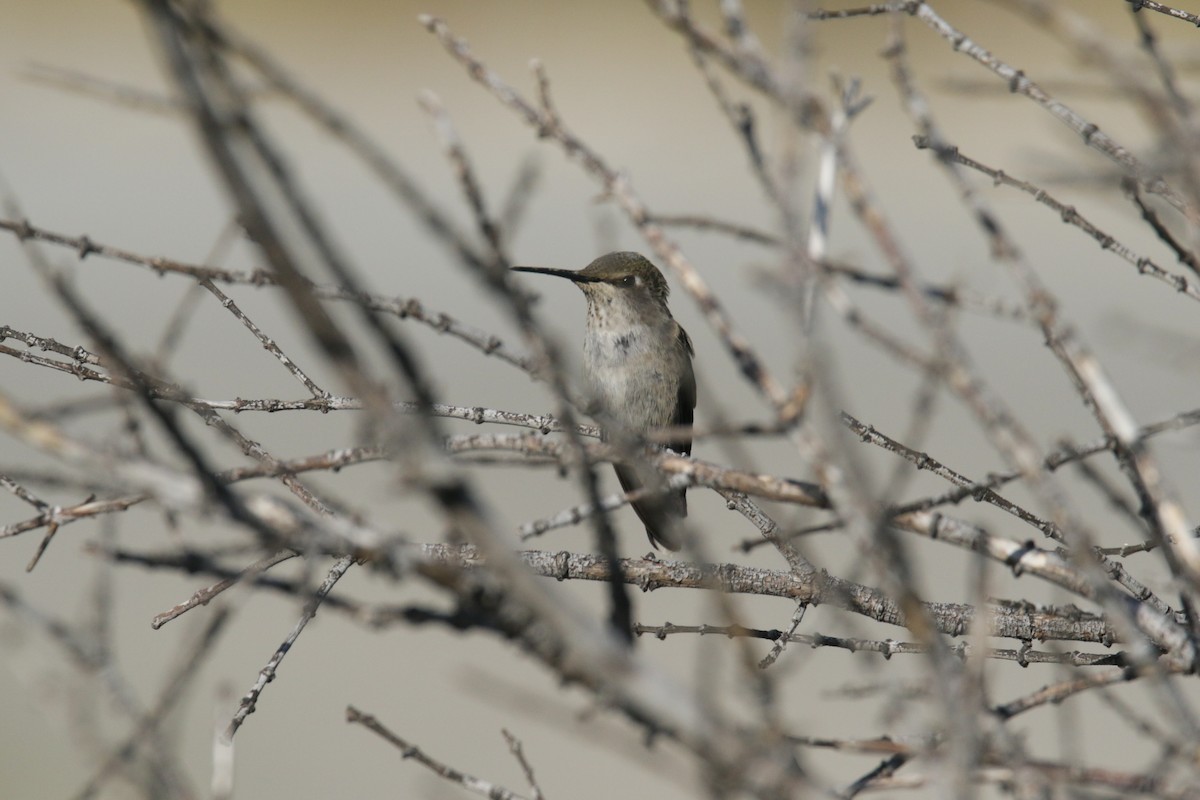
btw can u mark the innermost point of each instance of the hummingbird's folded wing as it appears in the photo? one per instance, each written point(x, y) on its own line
point(656, 513)
point(685, 405)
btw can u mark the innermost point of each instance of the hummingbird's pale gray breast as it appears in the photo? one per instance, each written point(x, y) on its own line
point(636, 359)
point(638, 362)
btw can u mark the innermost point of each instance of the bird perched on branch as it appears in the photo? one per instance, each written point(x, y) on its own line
point(638, 362)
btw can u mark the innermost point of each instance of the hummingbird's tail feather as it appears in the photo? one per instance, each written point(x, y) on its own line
point(659, 513)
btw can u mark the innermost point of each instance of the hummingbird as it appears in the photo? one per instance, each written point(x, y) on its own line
point(638, 365)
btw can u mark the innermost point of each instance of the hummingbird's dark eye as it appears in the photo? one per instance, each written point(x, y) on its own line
point(629, 280)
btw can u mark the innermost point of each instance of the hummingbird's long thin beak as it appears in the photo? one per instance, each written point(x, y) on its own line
point(569, 274)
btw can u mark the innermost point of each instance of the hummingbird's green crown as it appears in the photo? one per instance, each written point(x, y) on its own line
point(622, 270)
point(626, 268)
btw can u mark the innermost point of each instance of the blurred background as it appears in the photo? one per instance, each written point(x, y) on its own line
point(126, 170)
